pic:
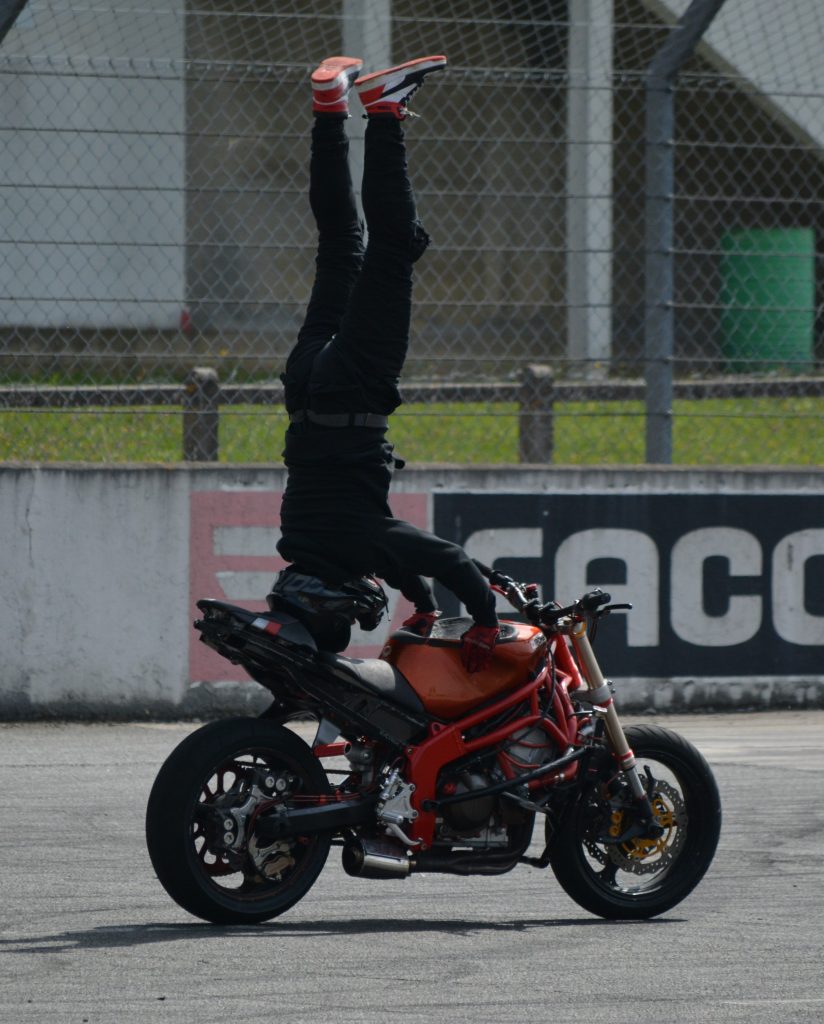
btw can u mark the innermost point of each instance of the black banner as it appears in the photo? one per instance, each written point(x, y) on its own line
point(722, 585)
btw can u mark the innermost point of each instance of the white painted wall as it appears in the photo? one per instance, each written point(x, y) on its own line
point(94, 567)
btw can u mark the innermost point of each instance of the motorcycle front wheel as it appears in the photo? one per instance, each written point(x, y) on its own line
point(610, 868)
point(200, 821)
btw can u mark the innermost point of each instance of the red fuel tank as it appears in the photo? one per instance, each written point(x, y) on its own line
point(433, 665)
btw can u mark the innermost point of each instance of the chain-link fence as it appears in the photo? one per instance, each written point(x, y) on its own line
point(155, 220)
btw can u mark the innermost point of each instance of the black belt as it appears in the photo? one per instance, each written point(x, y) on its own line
point(340, 419)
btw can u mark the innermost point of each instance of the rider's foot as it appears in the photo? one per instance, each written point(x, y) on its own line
point(389, 91)
point(331, 82)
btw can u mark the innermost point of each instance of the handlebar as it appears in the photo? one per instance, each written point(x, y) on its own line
point(515, 593)
point(524, 598)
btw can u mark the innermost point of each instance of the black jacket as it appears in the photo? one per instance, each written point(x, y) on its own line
point(335, 519)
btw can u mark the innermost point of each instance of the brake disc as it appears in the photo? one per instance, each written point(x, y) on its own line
point(225, 819)
point(646, 855)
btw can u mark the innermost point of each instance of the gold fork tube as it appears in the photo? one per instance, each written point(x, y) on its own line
point(604, 706)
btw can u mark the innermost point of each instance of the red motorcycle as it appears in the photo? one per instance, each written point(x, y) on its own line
point(417, 766)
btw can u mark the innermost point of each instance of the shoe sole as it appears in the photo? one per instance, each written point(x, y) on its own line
point(421, 64)
point(328, 74)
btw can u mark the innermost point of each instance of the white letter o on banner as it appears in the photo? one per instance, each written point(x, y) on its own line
point(792, 621)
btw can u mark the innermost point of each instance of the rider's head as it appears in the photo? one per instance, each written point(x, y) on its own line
point(328, 610)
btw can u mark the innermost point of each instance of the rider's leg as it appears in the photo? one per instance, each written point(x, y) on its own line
point(375, 330)
point(340, 233)
point(374, 334)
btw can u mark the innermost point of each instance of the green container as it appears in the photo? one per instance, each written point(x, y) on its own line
point(768, 299)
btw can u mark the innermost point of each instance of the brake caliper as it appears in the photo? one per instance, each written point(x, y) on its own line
point(642, 854)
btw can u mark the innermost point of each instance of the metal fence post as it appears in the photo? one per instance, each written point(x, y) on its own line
point(590, 244)
point(535, 412)
point(200, 415)
point(659, 200)
point(367, 32)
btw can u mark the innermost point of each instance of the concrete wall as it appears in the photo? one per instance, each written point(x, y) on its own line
point(101, 567)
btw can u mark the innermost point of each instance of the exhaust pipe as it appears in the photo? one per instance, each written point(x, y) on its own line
point(375, 858)
point(458, 863)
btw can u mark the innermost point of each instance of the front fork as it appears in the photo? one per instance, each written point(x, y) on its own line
point(599, 695)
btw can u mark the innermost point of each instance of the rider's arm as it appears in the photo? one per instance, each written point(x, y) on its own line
point(415, 589)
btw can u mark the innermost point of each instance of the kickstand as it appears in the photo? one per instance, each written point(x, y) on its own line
point(544, 859)
point(529, 805)
point(537, 862)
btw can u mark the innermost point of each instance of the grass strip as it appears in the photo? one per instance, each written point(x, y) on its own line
point(708, 432)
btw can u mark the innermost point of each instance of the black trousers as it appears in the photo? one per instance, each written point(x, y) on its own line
point(353, 343)
point(335, 518)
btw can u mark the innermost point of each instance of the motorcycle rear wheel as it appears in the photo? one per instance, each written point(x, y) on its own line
point(646, 875)
point(208, 792)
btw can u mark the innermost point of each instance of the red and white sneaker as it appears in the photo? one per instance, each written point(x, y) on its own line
point(331, 82)
point(389, 91)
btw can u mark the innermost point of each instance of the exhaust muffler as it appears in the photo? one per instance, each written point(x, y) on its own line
point(375, 858)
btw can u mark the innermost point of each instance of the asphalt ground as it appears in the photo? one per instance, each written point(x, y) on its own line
point(88, 935)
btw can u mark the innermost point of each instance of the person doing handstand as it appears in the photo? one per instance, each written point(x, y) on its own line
point(341, 378)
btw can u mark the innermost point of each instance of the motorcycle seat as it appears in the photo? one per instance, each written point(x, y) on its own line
point(379, 676)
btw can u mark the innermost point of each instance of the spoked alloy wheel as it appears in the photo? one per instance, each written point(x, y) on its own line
point(642, 875)
point(201, 814)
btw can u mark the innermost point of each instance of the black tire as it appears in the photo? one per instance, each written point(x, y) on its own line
point(643, 877)
point(218, 770)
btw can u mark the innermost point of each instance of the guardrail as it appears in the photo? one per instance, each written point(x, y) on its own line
point(537, 392)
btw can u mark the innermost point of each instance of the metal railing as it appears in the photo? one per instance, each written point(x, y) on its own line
point(537, 395)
